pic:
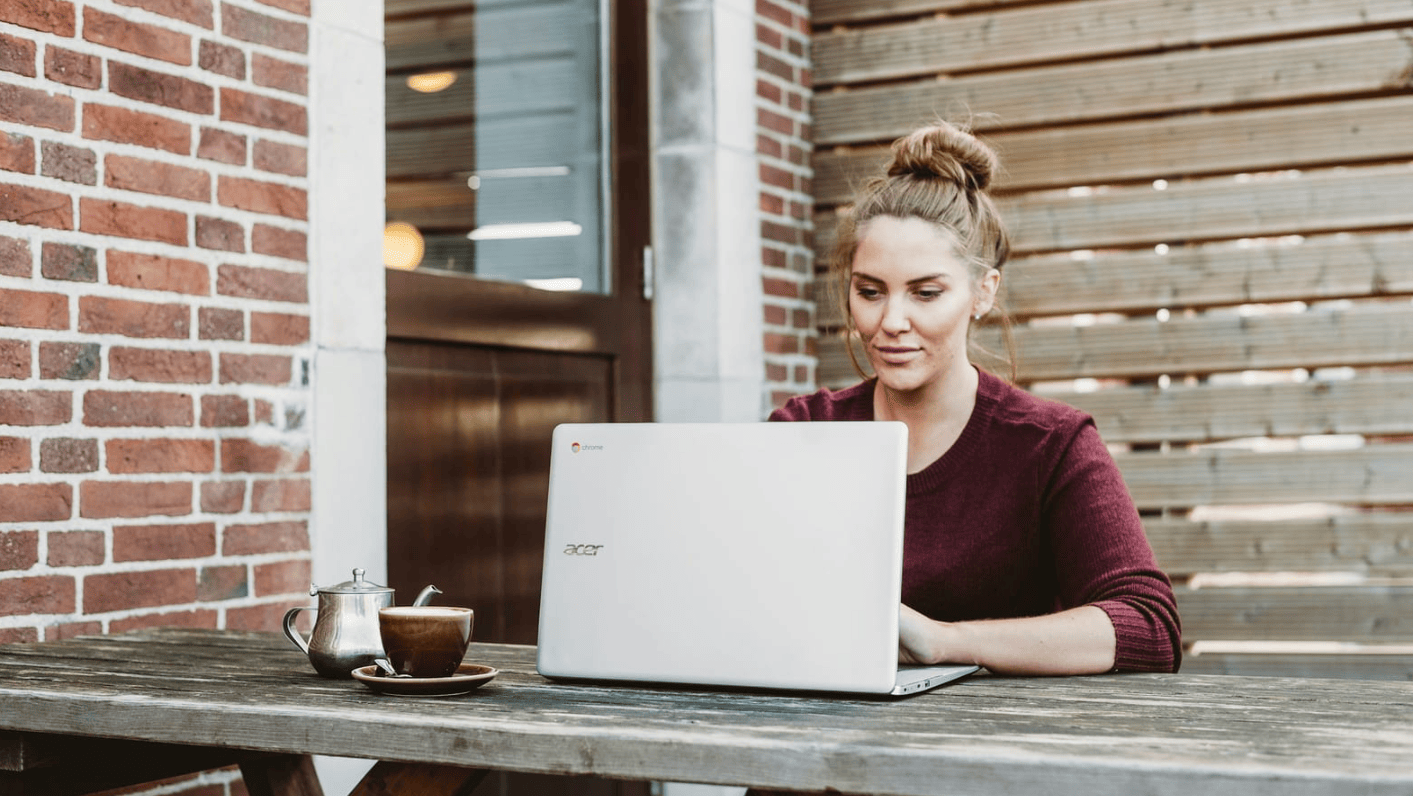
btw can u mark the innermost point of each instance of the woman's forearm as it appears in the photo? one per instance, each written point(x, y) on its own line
point(1077, 641)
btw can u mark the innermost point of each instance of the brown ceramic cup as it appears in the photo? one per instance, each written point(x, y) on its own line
point(426, 640)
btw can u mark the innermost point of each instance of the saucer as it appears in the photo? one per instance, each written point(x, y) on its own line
point(469, 677)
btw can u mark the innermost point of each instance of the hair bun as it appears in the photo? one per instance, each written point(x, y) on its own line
point(942, 151)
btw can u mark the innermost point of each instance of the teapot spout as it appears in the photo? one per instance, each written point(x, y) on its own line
point(425, 596)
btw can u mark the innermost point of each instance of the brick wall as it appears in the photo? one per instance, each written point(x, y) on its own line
point(783, 151)
point(154, 315)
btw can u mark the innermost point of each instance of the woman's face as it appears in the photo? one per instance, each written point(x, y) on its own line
point(912, 298)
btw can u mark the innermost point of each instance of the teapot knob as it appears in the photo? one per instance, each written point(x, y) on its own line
point(313, 589)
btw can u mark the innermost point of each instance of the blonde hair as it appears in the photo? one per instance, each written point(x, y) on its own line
point(940, 174)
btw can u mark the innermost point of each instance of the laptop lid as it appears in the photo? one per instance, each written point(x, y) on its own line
point(757, 555)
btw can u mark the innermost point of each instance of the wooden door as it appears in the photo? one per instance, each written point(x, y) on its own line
point(480, 369)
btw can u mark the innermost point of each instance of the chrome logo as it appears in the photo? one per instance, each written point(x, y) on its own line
point(574, 447)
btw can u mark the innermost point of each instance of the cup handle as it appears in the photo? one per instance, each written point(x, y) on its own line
point(290, 632)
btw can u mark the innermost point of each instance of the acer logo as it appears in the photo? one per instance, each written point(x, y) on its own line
point(583, 549)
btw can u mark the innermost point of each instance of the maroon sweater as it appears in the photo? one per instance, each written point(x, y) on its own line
point(1026, 514)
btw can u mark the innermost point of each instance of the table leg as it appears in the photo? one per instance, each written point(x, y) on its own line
point(388, 778)
point(281, 775)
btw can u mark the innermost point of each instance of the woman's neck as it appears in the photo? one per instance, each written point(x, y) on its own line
point(935, 414)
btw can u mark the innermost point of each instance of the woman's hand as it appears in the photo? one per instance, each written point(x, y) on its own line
point(1077, 641)
point(920, 639)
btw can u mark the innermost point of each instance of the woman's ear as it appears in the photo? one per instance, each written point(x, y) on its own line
point(986, 292)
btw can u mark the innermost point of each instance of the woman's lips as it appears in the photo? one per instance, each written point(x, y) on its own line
point(896, 355)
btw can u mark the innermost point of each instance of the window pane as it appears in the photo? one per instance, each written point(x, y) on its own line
point(495, 152)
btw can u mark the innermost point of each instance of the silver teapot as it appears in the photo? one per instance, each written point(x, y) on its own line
point(345, 634)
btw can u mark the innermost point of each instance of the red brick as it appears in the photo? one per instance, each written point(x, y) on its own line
point(223, 59)
point(782, 233)
point(44, 594)
point(264, 411)
point(128, 456)
point(281, 158)
point(31, 310)
point(222, 583)
point(800, 319)
point(35, 503)
point(35, 407)
point(286, 494)
point(151, 272)
point(69, 163)
point(158, 88)
point(269, 537)
point(119, 591)
point(776, 372)
point(292, 6)
point(106, 217)
point(99, 315)
point(242, 107)
point(151, 365)
point(279, 329)
point(19, 549)
point(69, 263)
point(162, 542)
point(138, 38)
point(69, 361)
point(113, 409)
point(780, 343)
point(775, 315)
point(780, 287)
point(224, 411)
point(219, 234)
point(283, 577)
point(197, 12)
point(222, 497)
point(287, 243)
point(50, 16)
point(19, 635)
point(36, 108)
point(76, 548)
point(244, 456)
point(15, 258)
point(66, 455)
point(14, 359)
point(772, 204)
point(214, 323)
point(255, 369)
point(267, 618)
point(221, 146)
point(105, 499)
point(151, 176)
point(238, 23)
point(35, 206)
point(261, 283)
point(277, 74)
point(14, 456)
point(17, 152)
point(204, 619)
point(124, 126)
point(769, 36)
point(71, 68)
point(262, 197)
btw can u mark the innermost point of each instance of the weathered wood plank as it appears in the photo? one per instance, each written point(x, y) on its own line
point(1372, 475)
point(1200, 210)
point(1369, 614)
point(1379, 404)
point(837, 12)
point(1268, 139)
point(1064, 31)
point(1373, 544)
point(1171, 82)
point(1353, 666)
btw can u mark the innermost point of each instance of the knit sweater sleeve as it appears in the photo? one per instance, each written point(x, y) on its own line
point(1103, 558)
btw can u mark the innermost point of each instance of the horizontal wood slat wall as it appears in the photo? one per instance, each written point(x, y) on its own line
point(1210, 205)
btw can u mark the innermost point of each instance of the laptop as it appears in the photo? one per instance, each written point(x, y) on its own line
point(753, 555)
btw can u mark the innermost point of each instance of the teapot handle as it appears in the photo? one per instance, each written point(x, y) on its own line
point(290, 632)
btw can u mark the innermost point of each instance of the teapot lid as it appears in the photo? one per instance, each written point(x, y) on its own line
point(356, 586)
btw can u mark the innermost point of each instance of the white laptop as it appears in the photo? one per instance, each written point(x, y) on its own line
point(760, 555)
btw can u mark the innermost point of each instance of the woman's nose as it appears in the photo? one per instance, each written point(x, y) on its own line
point(895, 318)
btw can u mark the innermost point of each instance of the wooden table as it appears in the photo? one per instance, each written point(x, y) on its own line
point(146, 703)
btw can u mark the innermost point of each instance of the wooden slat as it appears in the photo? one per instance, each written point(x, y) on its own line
point(1374, 544)
point(1375, 474)
point(1171, 82)
point(1369, 614)
point(1350, 667)
point(1259, 140)
point(538, 140)
point(1377, 404)
point(1064, 31)
point(838, 12)
point(505, 33)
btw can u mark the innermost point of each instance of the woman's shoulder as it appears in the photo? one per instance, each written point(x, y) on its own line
point(1012, 406)
point(850, 403)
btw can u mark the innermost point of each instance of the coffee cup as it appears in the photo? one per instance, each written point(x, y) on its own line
point(426, 640)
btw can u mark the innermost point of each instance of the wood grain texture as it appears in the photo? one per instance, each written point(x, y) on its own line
point(1393, 666)
point(1369, 544)
point(1115, 734)
point(1369, 614)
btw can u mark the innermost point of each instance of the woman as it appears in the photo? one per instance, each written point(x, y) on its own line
point(1023, 551)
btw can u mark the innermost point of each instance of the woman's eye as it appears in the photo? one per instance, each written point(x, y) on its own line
point(866, 292)
point(928, 294)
